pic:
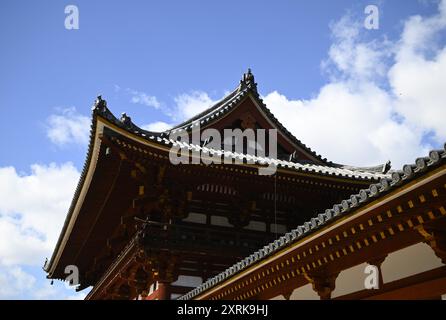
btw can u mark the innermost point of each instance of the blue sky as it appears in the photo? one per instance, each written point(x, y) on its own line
point(162, 61)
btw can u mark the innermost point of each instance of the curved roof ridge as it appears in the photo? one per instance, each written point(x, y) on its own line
point(282, 163)
point(125, 122)
point(247, 85)
point(383, 168)
point(218, 105)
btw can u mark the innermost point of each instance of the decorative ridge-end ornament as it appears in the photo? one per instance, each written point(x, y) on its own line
point(100, 104)
point(387, 166)
point(127, 123)
point(248, 81)
point(126, 120)
point(100, 108)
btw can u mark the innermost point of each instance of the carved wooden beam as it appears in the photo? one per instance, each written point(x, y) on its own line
point(435, 238)
point(323, 283)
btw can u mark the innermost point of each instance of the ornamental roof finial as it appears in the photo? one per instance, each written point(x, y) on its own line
point(248, 80)
point(126, 120)
point(100, 104)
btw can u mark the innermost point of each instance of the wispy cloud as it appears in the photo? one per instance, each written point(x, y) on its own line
point(67, 126)
point(383, 96)
point(157, 126)
point(143, 98)
point(33, 207)
point(186, 105)
point(28, 202)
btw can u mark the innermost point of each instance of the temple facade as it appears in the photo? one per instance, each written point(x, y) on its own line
point(143, 227)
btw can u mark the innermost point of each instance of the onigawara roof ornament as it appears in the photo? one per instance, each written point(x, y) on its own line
point(387, 167)
point(248, 81)
point(126, 120)
point(100, 104)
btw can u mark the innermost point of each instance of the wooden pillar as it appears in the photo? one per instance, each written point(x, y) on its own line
point(164, 269)
point(163, 291)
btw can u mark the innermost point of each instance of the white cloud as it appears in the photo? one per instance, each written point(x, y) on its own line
point(33, 207)
point(190, 104)
point(354, 118)
point(68, 127)
point(186, 106)
point(77, 296)
point(32, 210)
point(143, 98)
point(15, 282)
point(58, 291)
point(348, 57)
point(20, 245)
point(419, 75)
point(158, 126)
point(349, 126)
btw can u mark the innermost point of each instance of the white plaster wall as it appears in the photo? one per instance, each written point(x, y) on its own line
point(305, 292)
point(256, 226)
point(409, 261)
point(278, 298)
point(397, 265)
point(220, 221)
point(350, 280)
point(195, 217)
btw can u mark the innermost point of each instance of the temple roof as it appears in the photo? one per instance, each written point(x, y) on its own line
point(162, 138)
point(409, 173)
point(247, 87)
point(310, 168)
point(229, 103)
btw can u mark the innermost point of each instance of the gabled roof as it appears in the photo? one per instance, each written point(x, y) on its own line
point(248, 87)
point(409, 172)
